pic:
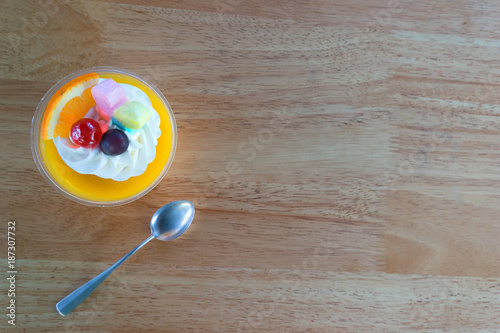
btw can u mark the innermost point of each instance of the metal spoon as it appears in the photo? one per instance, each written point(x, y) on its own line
point(169, 222)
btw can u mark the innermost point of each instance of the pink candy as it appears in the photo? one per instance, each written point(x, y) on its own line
point(108, 96)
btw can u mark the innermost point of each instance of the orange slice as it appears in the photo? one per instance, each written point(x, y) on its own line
point(67, 105)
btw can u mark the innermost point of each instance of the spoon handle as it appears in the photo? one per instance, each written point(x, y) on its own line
point(70, 302)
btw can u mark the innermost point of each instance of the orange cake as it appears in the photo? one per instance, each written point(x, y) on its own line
point(85, 170)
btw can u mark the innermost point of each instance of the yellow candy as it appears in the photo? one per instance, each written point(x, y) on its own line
point(132, 115)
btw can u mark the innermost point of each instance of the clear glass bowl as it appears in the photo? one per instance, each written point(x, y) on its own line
point(92, 190)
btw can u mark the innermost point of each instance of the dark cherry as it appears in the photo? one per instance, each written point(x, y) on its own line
point(114, 142)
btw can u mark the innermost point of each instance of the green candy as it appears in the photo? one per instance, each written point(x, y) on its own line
point(132, 115)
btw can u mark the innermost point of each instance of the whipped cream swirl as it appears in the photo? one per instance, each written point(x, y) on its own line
point(133, 162)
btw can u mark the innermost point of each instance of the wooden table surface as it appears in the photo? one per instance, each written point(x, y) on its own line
point(343, 158)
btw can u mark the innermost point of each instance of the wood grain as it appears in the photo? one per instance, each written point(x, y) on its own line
point(342, 157)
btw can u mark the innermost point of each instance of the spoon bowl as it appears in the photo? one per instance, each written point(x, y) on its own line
point(169, 222)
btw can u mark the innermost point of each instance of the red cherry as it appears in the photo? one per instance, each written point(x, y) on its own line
point(86, 133)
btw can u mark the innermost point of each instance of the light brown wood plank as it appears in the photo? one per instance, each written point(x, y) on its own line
point(342, 157)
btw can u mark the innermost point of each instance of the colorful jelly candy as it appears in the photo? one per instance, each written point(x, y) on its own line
point(131, 115)
point(108, 96)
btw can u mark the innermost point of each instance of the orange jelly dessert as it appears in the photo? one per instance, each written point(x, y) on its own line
point(103, 136)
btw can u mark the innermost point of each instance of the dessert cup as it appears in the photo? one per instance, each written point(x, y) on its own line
point(90, 189)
